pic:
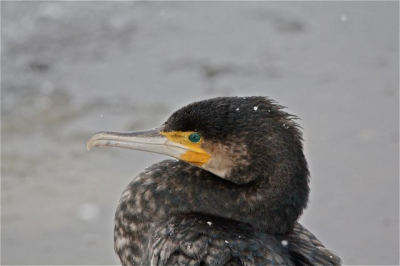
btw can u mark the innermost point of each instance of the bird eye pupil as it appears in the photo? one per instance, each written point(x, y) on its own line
point(194, 137)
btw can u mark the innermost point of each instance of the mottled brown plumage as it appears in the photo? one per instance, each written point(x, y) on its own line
point(240, 208)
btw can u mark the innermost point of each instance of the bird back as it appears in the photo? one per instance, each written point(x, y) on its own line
point(208, 240)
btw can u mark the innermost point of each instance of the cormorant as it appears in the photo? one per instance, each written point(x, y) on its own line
point(233, 197)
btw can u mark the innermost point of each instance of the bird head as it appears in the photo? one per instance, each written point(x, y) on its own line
point(235, 138)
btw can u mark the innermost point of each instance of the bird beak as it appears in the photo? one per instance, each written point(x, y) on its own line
point(148, 140)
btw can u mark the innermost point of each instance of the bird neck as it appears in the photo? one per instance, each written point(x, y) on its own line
point(271, 204)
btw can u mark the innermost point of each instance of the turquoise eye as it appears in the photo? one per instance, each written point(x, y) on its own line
point(194, 137)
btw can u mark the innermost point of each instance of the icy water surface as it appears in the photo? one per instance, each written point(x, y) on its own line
point(70, 69)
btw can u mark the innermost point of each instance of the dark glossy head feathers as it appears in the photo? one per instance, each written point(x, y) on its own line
point(249, 136)
point(219, 117)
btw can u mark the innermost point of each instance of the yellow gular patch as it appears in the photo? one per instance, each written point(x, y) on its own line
point(195, 154)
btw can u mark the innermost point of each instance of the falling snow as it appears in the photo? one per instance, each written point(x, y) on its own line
point(127, 21)
point(285, 243)
point(209, 223)
point(255, 108)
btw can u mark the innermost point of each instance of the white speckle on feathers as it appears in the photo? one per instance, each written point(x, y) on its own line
point(255, 108)
point(237, 109)
point(121, 242)
point(285, 243)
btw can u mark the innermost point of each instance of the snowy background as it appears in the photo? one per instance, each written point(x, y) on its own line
point(71, 69)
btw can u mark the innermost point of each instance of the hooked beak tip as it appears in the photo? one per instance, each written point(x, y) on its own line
point(94, 140)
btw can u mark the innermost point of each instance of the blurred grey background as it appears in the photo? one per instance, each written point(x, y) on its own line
point(70, 69)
